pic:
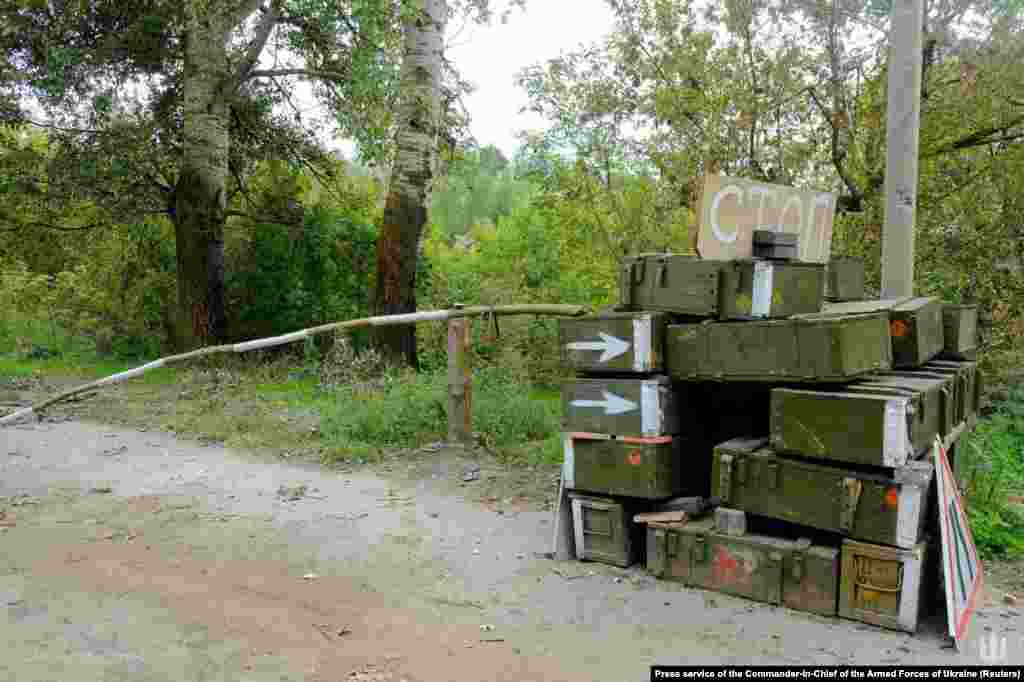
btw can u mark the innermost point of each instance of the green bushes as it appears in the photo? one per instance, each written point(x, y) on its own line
point(994, 474)
point(115, 301)
point(282, 278)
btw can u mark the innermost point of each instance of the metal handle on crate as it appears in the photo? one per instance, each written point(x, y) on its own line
point(660, 552)
point(965, 387)
point(626, 285)
point(725, 478)
point(876, 588)
point(944, 425)
point(701, 550)
point(639, 270)
point(851, 488)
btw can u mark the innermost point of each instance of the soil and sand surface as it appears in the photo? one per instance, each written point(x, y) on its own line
point(134, 554)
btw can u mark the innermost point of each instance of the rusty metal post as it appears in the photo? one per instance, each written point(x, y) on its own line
point(460, 382)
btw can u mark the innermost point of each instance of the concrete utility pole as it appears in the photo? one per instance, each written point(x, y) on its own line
point(902, 128)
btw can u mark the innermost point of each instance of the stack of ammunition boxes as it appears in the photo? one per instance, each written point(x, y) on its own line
point(767, 387)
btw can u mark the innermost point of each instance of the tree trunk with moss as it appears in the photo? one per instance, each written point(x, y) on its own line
point(405, 210)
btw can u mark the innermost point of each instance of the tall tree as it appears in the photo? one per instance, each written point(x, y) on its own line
point(405, 211)
point(157, 106)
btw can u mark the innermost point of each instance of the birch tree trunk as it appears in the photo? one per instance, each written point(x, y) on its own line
point(199, 196)
point(405, 210)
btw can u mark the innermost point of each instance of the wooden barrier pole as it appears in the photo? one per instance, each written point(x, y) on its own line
point(334, 327)
point(460, 383)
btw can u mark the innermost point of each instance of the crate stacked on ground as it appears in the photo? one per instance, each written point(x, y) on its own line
point(846, 463)
point(631, 435)
point(621, 448)
point(812, 417)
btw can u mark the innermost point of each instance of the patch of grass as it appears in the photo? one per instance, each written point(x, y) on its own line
point(32, 347)
point(407, 410)
point(81, 366)
point(546, 452)
point(994, 472)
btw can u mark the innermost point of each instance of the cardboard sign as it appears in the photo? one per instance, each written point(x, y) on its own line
point(960, 565)
point(732, 208)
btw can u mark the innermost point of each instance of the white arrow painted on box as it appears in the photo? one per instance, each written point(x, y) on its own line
point(611, 347)
point(612, 404)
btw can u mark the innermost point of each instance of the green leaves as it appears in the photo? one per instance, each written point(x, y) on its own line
point(102, 104)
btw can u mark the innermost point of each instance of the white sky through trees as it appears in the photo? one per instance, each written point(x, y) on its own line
point(491, 56)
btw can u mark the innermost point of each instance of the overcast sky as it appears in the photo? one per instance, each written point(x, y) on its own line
point(490, 57)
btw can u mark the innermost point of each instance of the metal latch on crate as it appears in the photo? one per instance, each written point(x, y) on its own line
point(725, 478)
point(851, 490)
point(802, 545)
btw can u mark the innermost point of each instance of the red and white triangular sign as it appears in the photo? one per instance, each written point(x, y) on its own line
point(960, 564)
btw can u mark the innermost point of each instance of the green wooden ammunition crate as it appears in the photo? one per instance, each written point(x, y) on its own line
point(674, 283)
point(819, 348)
point(652, 467)
point(745, 289)
point(886, 508)
point(632, 407)
point(915, 325)
point(960, 332)
point(604, 530)
point(811, 581)
point(968, 385)
point(613, 342)
point(760, 567)
point(935, 404)
point(762, 289)
point(882, 585)
point(874, 429)
point(844, 280)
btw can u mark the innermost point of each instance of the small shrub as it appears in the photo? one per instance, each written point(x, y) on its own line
point(504, 413)
point(344, 365)
point(407, 410)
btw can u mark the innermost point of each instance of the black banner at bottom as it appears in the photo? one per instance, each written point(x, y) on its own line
point(659, 673)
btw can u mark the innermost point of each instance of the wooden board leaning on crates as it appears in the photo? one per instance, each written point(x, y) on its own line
point(731, 209)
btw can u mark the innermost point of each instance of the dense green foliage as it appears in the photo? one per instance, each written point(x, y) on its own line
point(995, 474)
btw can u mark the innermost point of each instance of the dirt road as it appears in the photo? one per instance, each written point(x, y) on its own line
point(128, 555)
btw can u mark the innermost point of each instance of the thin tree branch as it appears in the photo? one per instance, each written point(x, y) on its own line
point(252, 55)
point(241, 184)
point(311, 73)
point(980, 138)
point(50, 126)
point(837, 162)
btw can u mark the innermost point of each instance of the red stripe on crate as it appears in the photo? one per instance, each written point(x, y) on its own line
point(640, 440)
